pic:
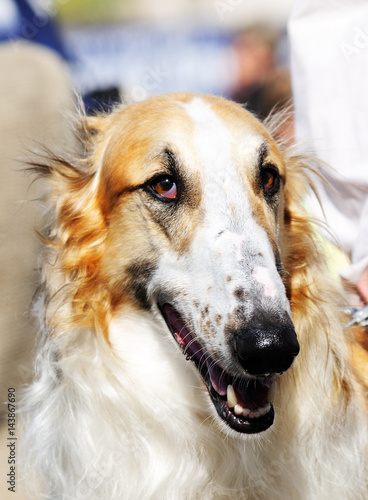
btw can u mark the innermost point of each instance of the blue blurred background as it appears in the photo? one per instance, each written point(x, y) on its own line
point(129, 50)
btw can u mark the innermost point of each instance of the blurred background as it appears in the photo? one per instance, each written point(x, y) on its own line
point(132, 49)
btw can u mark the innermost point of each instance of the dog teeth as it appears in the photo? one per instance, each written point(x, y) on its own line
point(231, 396)
point(239, 410)
point(245, 412)
point(260, 412)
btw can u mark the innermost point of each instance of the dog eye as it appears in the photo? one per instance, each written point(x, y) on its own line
point(165, 187)
point(270, 180)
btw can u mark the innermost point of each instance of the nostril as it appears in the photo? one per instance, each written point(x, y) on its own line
point(266, 348)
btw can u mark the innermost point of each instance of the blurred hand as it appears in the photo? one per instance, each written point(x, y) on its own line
point(363, 286)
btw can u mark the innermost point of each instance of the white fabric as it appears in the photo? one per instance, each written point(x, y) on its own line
point(329, 64)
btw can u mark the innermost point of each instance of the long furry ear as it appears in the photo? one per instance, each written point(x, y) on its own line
point(76, 228)
point(304, 260)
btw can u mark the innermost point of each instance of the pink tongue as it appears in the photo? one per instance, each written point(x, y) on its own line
point(183, 335)
point(251, 394)
point(219, 379)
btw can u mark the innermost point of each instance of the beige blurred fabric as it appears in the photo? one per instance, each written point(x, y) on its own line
point(35, 97)
point(329, 63)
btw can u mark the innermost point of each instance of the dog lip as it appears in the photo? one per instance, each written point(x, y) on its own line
point(252, 393)
point(243, 424)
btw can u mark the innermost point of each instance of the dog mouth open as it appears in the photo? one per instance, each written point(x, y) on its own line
point(243, 403)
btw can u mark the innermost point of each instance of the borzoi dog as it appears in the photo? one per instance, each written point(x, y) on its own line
point(192, 344)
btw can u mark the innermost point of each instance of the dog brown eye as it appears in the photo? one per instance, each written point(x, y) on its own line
point(165, 187)
point(270, 180)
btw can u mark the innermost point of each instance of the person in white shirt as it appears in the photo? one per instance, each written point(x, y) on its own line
point(329, 66)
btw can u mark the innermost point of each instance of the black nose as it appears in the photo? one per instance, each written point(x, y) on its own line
point(266, 345)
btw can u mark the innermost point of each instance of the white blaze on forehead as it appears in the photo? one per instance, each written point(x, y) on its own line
point(262, 276)
point(212, 139)
point(215, 145)
point(217, 148)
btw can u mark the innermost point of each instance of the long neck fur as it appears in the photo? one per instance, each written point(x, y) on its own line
point(102, 425)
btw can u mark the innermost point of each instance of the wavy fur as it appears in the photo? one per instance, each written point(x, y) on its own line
point(136, 421)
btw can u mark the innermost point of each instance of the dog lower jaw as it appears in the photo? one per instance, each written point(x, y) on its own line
point(243, 404)
point(239, 417)
point(245, 425)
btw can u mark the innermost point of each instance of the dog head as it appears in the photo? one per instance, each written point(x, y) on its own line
point(184, 213)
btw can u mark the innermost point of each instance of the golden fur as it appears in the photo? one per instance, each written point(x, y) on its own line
point(102, 248)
